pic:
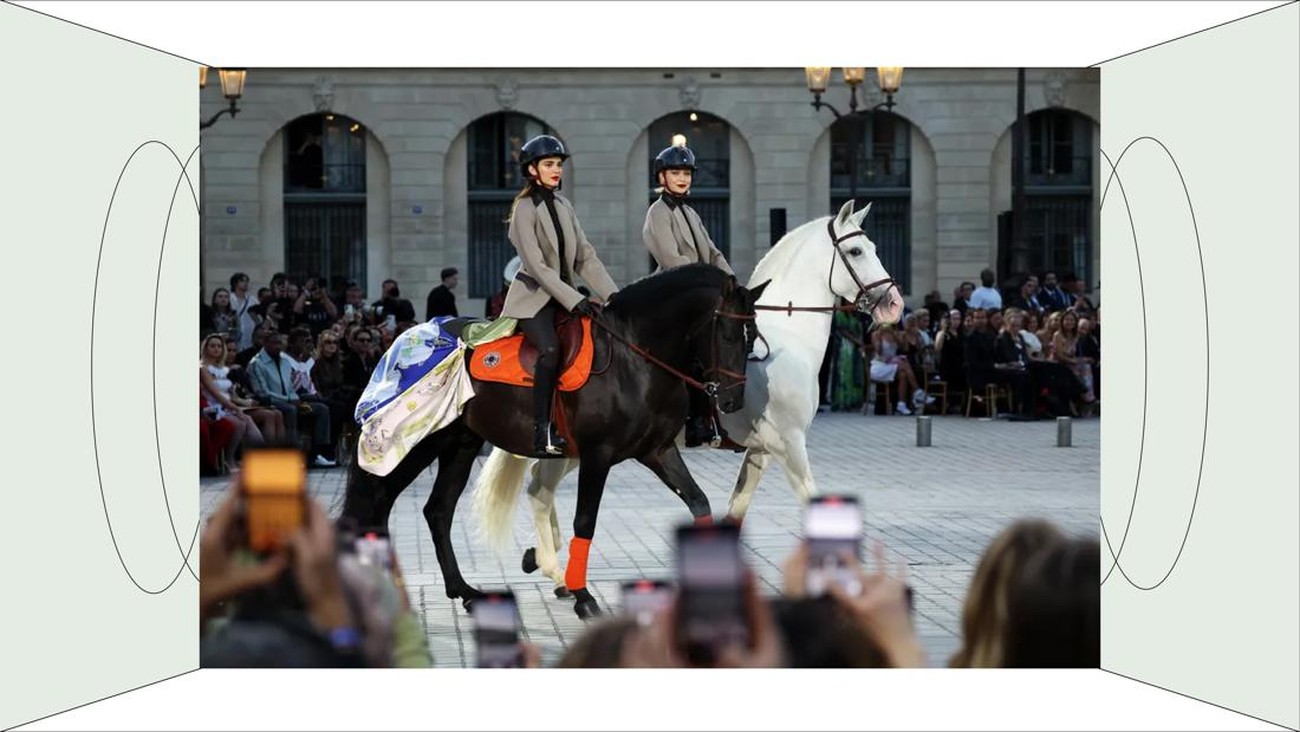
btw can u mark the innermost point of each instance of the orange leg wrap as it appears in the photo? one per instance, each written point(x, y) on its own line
point(575, 577)
point(704, 520)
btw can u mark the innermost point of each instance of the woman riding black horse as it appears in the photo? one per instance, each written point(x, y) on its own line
point(550, 242)
point(632, 407)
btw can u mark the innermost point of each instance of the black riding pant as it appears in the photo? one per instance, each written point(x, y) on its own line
point(539, 330)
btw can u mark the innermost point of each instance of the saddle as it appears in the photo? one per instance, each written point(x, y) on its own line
point(513, 360)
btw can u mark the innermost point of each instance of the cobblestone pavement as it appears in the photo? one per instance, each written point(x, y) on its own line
point(936, 507)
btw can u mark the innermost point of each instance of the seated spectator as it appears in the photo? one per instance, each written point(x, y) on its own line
point(1052, 297)
point(1089, 347)
point(272, 379)
point(327, 373)
point(1079, 302)
point(1011, 367)
point(1046, 335)
point(259, 337)
point(269, 420)
point(215, 437)
point(359, 364)
point(888, 364)
point(984, 366)
point(1062, 388)
point(916, 344)
point(216, 389)
point(950, 346)
point(1064, 347)
point(1027, 298)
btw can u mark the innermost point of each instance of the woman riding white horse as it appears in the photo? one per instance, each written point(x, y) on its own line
point(811, 268)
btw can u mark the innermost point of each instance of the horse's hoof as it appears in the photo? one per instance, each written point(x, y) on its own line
point(562, 591)
point(530, 560)
point(467, 596)
point(585, 605)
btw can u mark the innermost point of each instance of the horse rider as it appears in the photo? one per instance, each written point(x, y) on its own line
point(552, 247)
point(675, 235)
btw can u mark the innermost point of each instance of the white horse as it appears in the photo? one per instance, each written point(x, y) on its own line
point(810, 269)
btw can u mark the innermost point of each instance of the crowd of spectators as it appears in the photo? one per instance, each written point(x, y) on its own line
point(1033, 602)
point(1039, 344)
point(288, 364)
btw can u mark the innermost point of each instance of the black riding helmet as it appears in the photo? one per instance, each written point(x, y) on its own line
point(542, 146)
point(675, 157)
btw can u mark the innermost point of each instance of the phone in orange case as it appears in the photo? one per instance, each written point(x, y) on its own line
point(274, 487)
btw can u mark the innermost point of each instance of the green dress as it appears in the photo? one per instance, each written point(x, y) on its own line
point(847, 372)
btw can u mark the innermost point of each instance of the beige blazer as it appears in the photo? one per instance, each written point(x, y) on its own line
point(538, 280)
point(667, 234)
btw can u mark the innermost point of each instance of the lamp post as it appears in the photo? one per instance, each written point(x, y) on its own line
point(888, 79)
point(232, 87)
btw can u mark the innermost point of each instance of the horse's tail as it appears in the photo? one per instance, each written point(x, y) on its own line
point(496, 494)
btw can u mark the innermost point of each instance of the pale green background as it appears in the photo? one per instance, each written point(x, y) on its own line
point(1223, 627)
point(76, 103)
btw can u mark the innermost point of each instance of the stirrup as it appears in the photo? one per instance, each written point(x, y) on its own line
point(546, 442)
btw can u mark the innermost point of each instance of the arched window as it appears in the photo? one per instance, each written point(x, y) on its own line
point(494, 181)
point(884, 179)
point(1058, 192)
point(325, 198)
point(709, 137)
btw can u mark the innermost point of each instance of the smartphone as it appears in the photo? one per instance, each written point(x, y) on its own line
point(711, 610)
point(643, 599)
point(375, 548)
point(274, 488)
point(833, 528)
point(496, 630)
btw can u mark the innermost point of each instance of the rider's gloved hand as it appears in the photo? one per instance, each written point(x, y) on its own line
point(584, 307)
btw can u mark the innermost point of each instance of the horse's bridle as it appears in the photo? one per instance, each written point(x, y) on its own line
point(861, 301)
point(710, 388)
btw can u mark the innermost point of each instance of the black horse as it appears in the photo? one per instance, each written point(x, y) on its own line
point(694, 319)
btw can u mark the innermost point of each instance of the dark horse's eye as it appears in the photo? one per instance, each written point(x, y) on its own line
point(855, 252)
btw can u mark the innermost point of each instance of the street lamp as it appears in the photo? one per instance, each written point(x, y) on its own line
point(888, 78)
point(232, 87)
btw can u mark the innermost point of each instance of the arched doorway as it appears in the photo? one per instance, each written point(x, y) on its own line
point(494, 179)
point(1058, 192)
point(325, 198)
point(709, 137)
point(884, 179)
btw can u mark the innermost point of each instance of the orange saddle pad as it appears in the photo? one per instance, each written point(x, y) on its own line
point(511, 360)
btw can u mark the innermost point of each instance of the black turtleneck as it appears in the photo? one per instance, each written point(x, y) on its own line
point(675, 202)
point(542, 194)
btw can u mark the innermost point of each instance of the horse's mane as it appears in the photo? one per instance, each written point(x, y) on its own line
point(650, 293)
point(778, 258)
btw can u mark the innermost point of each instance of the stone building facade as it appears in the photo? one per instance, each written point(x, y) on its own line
point(420, 180)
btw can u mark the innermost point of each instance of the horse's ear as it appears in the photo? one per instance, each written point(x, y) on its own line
point(861, 216)
point(757, 292)
point(846, 211)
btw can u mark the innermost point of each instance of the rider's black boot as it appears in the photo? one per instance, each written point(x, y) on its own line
point(698, 432)
point(546, 440)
